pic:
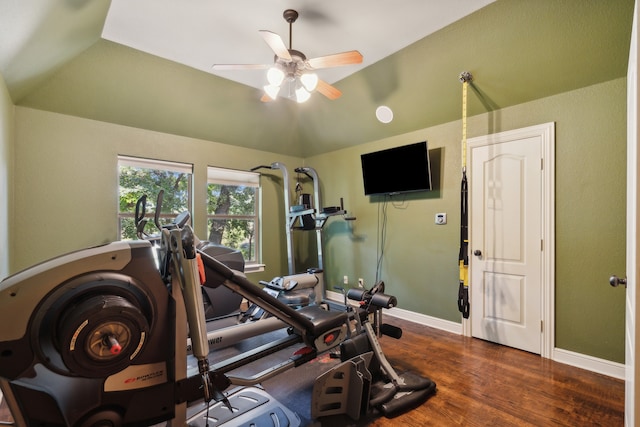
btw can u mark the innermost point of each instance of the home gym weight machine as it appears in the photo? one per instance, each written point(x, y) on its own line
point(97, 338)
point(306, 215)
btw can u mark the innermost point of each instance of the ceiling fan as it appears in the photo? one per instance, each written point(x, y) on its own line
point(292, 74)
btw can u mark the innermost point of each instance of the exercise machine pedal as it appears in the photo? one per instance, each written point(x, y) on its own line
point(414, 391)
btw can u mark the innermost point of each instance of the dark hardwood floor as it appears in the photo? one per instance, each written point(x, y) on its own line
point(478, 384)
point(484, 384)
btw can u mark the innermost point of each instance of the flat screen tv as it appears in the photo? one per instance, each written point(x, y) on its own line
point(397, 170)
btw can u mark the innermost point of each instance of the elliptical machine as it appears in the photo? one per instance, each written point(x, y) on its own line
point(227, 303)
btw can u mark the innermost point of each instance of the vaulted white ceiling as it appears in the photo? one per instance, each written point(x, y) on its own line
point(201, 33)
point(147, 63)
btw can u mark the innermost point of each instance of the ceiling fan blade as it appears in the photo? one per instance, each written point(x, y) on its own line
point(276, 44)
point(336, 60)
point(327, 90)
point(241, 66)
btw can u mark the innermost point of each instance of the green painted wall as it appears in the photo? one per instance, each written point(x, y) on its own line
point(6, 146)
point(420, 258)
point(67, 184)
point(66, 199)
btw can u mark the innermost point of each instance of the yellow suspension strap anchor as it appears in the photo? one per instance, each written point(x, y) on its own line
point(463, 257)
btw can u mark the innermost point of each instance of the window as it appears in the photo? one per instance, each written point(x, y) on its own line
point(138, 177)
point(232, 212)
point(5, 414)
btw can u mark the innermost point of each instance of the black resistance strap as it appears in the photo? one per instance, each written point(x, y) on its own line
point(463, 256)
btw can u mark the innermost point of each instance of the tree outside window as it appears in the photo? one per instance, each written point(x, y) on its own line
point(232, 211)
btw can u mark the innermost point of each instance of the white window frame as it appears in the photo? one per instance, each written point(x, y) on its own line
point(8, 420)
point(224, 176)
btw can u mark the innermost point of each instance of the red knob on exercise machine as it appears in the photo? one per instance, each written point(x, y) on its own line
point(114, 346)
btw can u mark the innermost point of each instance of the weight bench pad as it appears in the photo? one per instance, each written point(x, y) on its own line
point(323, 320)
point(313, 320)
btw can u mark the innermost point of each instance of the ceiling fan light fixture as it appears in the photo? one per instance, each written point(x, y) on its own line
point(272, 91)
point(294, 67)
point(309, 81)
point(275, 76)
point(302, 95)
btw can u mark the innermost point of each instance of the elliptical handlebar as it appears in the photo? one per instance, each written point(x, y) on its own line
point(140, 222)
point(141, 207)
point(179, 221)
point(156, 218)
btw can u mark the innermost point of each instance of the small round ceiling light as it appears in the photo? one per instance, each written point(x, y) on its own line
point(384, 114)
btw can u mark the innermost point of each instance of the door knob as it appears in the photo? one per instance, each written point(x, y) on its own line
point(477, 252)
point(616, 281)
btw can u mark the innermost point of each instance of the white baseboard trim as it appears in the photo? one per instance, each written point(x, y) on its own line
point(582, 361)
point(590, 363)
point(422, 319)
point(334, 296)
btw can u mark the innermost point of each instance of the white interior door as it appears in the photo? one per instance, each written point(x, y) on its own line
point(632, 371)
point(507, 237)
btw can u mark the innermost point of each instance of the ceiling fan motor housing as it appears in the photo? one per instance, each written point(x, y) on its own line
point(295, 66)
point(290, 16)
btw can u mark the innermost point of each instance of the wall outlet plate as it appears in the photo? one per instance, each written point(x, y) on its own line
point(441, 218)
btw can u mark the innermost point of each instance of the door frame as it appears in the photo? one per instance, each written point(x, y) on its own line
point(546, 133)
point(632, 332)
